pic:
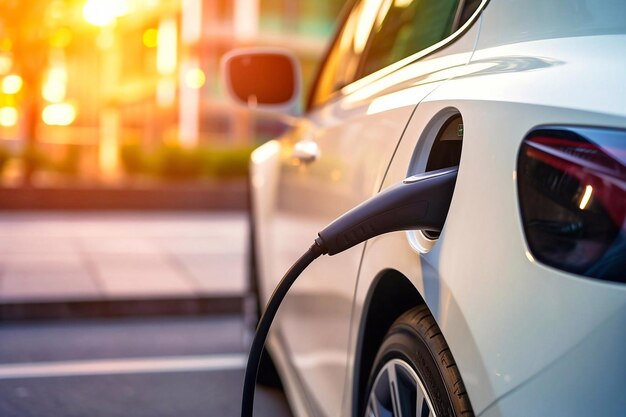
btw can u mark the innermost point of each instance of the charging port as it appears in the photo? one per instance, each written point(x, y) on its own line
point(445, 152)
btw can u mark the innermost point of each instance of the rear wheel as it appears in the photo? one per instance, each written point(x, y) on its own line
point(414, 374)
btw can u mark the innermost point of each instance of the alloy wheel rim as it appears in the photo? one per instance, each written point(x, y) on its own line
point(398, 392)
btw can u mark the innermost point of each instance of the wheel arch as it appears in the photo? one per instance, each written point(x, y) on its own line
point(378, 316)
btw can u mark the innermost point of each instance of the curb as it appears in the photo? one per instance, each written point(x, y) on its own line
point(122, 308)
point(230, 195)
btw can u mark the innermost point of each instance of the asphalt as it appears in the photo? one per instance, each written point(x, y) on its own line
point(152, 395)
point(156, 366)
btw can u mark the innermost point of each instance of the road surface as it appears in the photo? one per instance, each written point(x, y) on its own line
point(174, 367)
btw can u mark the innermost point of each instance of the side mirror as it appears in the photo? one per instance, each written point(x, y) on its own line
point(265, 78)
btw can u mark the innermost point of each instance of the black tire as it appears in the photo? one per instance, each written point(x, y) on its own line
point(415, 341)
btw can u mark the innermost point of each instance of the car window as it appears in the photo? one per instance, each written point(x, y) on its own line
point(377, 33)
point(404, 27)
point(540, 19)
point(342, 62)
point(469, 7)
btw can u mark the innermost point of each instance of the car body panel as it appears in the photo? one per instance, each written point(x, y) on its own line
point(577, 383)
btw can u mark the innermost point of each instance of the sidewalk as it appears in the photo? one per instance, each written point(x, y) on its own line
point(50, 257)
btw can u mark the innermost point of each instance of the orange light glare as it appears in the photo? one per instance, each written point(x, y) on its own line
point(367, 18)
point(104, 12)
point(6, 44)
point(5, 64)
point(195, 78)
point(166, 92)
point(150, 38)
point(191, 20)
point(59, 114)
point(12, 84)
point(105, 40)
point(8, 116)
point(61, 38)
point(108, 157)
point(56, 10)
point(402, 3)
point(167, 42)
point(245, 18)
point(55, 87)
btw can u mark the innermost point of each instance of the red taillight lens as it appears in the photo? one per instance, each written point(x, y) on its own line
point(572, 189)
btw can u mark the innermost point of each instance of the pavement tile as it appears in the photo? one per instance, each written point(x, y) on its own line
point(103, 262)
point(126, 245)
point(140, 275)
point(22, 244)
point(26, 260)
point(47, 283)
point(202, 245)
point(66, 256)
point(145, 283)
point(216, 273)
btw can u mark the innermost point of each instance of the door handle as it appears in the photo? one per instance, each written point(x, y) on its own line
point(305, 151)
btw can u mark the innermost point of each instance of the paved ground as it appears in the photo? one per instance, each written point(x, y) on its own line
point(183, 367)
point(158, 366)
point(112, 255)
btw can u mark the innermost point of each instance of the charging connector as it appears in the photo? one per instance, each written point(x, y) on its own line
point(418, 202)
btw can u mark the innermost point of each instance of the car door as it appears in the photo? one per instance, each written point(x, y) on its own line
point(337, 157)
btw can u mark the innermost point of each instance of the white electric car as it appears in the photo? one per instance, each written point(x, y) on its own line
point(518, 306)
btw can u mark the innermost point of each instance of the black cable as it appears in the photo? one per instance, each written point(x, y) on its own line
point(263, 328)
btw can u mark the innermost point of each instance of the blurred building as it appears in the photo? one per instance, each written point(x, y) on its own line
point(161, 70)
point(147, 71)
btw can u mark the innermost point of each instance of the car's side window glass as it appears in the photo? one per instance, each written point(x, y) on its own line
point(469, 7)
point(342, 61)
point(404, 27)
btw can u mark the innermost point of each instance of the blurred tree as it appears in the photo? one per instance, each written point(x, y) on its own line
point(25, 28)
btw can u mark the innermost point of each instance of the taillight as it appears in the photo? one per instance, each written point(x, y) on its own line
point(572, 189)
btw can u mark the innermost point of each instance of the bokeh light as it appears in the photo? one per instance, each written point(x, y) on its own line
point(8, 116)
point(55, 87)
point(12, 84)
point(104, 12)
point(167, 47)
point(59, 114)
point(5, 64)
point(150, 38)
point(195, 78)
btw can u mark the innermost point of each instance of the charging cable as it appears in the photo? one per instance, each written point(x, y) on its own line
point(418, 202)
